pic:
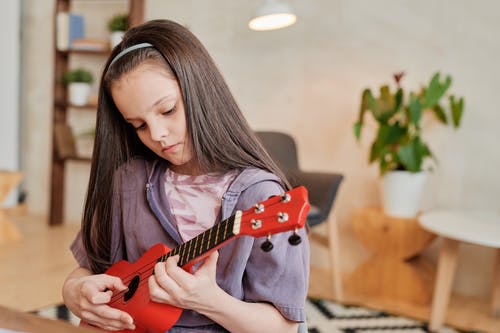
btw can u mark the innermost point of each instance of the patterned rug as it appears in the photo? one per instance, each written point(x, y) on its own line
point(329, 317)
point(322, 317)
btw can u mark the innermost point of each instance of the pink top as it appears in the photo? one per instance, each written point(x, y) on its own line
point(195, 201)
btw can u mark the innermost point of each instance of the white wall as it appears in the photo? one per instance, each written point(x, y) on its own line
point(307, 80)
point(9, 88)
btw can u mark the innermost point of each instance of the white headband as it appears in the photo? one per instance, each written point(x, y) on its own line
point(129, 49)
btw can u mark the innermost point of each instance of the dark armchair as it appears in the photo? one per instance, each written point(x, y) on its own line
point(322, 188)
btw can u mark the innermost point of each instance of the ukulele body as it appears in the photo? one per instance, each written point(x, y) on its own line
point(157, 317)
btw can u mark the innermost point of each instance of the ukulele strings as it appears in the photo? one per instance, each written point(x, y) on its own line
point(149, 267)
point(147, 270)
point(244, 214)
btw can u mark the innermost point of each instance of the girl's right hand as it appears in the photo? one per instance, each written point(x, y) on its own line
point(87, 297)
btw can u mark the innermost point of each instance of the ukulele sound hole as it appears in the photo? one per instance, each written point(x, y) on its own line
point(132, 288)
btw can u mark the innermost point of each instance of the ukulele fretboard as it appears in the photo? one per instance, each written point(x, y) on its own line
point(204, 242)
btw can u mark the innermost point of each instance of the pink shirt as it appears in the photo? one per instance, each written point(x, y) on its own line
point(195, 201)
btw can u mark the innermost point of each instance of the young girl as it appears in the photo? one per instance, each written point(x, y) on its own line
point(173, 156)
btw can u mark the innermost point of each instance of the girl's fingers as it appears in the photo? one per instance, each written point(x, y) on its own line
point(210, 263)
point(162, 275)
point(162, 285)
point(101, 289)
point(101, 297)
point(108, 318)
point(96, 293)
point(173, 285)
point(113, 282)
point(182, 278)
point(110, 313)
point(158, 293)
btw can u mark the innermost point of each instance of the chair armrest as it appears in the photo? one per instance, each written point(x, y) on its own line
point(322, 188)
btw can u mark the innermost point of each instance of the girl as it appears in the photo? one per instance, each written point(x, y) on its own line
point(173, 155)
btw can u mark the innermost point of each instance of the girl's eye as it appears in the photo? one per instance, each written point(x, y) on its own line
point(168, 111)
point(140, 127)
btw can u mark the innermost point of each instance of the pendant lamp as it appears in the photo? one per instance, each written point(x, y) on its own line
point(272, 15)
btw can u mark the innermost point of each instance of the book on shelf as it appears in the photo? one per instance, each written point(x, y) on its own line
point(90, 44)
point(69, 26)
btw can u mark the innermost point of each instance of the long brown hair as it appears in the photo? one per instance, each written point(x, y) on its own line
point(220, 136)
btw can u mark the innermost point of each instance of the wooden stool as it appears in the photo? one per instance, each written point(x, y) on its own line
point(394, 271)
point(8, 181)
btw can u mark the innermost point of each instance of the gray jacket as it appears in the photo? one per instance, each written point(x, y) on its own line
point(142, 218)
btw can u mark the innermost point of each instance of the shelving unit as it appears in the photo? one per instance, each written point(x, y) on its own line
point(63, 145)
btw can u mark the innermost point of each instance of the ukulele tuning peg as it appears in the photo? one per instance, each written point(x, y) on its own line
point(267, 245)
point(282, 217)
point(286, 197)
point(294, 239)
point(258, 208)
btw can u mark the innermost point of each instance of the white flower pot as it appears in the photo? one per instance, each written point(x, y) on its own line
point(401, 193)
point(79, 93)
point(115, 38)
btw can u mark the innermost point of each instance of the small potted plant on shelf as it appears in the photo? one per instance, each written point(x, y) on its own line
point(117, 25)
point(398, 146)
point(78, 81)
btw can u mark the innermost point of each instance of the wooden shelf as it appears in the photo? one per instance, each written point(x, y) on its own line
point(63, 140)
point(85, 52)
point(79, 159)
point(64, 105)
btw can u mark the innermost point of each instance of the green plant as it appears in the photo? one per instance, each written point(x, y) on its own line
point(78, 75)
point(118, 22)
point(398, 144)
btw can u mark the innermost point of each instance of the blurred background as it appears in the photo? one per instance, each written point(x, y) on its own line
point(305, 80)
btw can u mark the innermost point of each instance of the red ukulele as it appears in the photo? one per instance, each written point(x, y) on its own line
point(274, 215)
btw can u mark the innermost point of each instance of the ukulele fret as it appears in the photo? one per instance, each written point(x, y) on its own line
point(184, 256)
point(181, 252)
point(195, 244)
point(217, 233)
point(190, 248)
point(224, 233)
point(201, 243)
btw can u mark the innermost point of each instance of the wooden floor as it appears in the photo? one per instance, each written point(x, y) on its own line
point(465, 313)
point(34, 267)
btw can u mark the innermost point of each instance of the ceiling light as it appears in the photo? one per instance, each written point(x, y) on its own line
point(272, 15)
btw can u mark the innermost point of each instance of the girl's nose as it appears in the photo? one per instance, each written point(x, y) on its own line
point(158, 131)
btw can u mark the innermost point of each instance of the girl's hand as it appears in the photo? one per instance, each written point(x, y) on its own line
point(87, 298)
point(173, 285)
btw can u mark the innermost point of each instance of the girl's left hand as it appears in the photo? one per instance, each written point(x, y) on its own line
point(173, 285)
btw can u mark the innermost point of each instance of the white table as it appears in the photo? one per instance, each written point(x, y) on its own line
point(455, 226)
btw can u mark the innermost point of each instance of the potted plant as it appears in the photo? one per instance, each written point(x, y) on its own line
point(117, 25)
point(398, 146)
point(78, 81)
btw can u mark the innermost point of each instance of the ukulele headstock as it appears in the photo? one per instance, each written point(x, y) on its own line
point(276, 214)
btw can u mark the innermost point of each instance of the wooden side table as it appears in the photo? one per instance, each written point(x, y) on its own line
point(395, 271)
point(8, 181)
point(455, 226)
